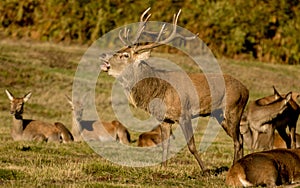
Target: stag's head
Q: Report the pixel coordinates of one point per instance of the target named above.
(134, 51)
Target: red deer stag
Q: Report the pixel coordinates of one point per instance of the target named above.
(268, 168)
(34, 130)
(129, 66)
(96, 130)
(263, 117)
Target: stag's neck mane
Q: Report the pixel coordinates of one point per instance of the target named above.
(142, 84)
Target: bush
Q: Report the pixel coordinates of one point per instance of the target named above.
(264, 30)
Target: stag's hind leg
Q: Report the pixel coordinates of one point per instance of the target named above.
(231, 125)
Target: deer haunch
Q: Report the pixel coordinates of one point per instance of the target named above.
(268, 168)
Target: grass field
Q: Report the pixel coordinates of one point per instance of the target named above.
(47, 70)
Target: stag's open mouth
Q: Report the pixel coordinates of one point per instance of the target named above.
(105, 66)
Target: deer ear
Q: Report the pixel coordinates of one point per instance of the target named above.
(9, 95)
(288, 97)
(27, 97)
(276, 93)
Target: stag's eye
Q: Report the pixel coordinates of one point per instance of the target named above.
(125, 54)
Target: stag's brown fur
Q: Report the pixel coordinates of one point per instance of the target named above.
(184, 97)
(96, 130)
(268, 168)
(34, 130)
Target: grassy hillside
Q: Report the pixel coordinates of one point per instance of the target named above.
(47, 70)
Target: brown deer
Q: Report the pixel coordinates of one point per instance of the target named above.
(181, 94)
(268, 168)
(263, 142)
(34, 130)
(96, 130)
(152, 138)
(264, 117)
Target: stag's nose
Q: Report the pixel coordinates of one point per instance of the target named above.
(105, 57)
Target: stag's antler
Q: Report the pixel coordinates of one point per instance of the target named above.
(141, 29)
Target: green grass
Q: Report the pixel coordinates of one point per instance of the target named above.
(48, 70)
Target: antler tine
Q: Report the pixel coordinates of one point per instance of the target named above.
(173, 34)
(142, 25)
(127, 36)
(143, 15)
(121, 38)
(160, 33)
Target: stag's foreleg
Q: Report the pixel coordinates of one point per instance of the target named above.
(187, 129)
(165, 136)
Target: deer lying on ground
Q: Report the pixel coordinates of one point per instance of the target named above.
(152, 138)
(264, 117)
(267, 168)
(96, 130)
(34, 130)
(143, 83)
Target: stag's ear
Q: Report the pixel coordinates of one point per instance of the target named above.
(9, 95)
(276, 93)
(27, 97)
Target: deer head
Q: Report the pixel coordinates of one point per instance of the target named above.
(77, 108)
(17, 104)
(134, 51)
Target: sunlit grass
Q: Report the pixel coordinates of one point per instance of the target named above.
(32, 67)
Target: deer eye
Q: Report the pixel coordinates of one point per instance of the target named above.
(125, 54)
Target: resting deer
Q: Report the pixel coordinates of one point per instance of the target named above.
(129, 66)
(268, 168)
(96, 130)
(34, 130)
(151, 138)
(264, 117)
